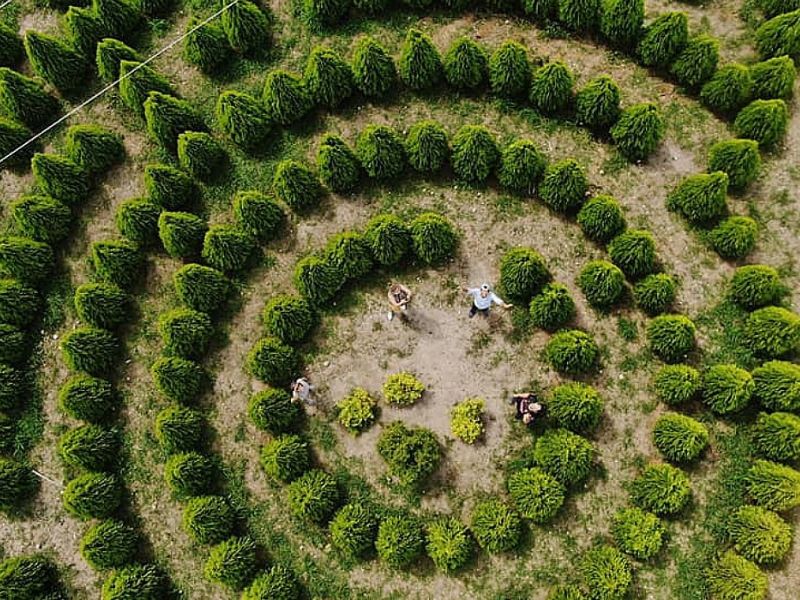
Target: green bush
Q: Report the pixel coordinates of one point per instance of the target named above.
(671, 337)
(87, 398)
(227, 247)
(137, 220)
(273, 362)
(89, 447)
(137, 81)
(679, 438)
(773, 8)
(143, 582)
(638, 533)
(764, 121)
(185, 332)
(201, 288)
(12, 136)
(496, 526)
(338, 166)
(754, 286)
(83, 31)
(189, 474)
(92, 496)
(732, 577)
(655, 293)
(552, 308)
(168, 187)
(286, 97)
(17, 485)
(535, 494)
(371, 7)
(10, 47)
(510, 70)
(728, 90)
(179, 429)
(564, 186)
(565, 592)
(664, 39)
(109, 544)
(773, 78)
(313, 496)
(601, 218)
(449, 544)
(582, 16)
(56, 62)
(434, 238)
(427, 147)
(296, 185)
(25, 259)
(759, 535)
(278, 583)
(90, 349)
(205, 47)
(181, 233)
(232, 563)
(178, 379)
(400, 541)
(272, 410)
(285, 458)
(412, 453)
(320, 14)
(328, 78)
(200, 155)
(95, 149)
(739, 159)
(247, 28)
(349, 254)
(597, 104)
(19, 303)
(168, 117)
(697, 62)
(734, 237)
(419, 65)
(602, 283)
(28, 577)
(354, 529)
(565, 455)
(776, 436)
(402, 389)
(208, 519)
(466, 421)
(110, 53)
(41, 218)
(773, 486)
(466, 66)
(780, 36)
(120, 17)
(639, 131)
(777, 385)
(317, 280)
(572, 352)
(155, 8)
(11, 386)
(258, 214)
(356, 411)
(606, 572)
(289, 318)
(523, 273)
(389, 239)
(551, 88)
(661, 489)
(243, 119)
(634, 252)
(622, 22)
(575, 406)
(475, 154)
(23, 99)
(374, 72)
(117, 262)
(522, 166)
(60, 178)
(381, 152)
(13, 344)
(772, 331)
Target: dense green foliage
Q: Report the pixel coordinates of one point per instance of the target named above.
(109, 544)
(243, 119)
(475, 154)
(780, 36)
(178, 379)
(19, 303)
(206, 46)
(87, 398)
(661, 489)
(227, 247)
(41, 218)
(381, 152)
(728, 90)
(773, 78)
(92, 496)
(419, 65)
(168, 187)
(732, 577)
(449, 544)
(754, 286)
(400, 540)
(179, 429)
(181, 233)
(167, 117)
(597, 104)
(776, 436)
(338, 166)
(137, 220)
(655, 293)
(89, 447)
(634, 252)
(522, 167)
(510, 70)
(466, 66)
(258, 214)
(23, 99)
(575, 406)
(201, 288)
(289, 318)
(565, 455)
(356, 411)
(28, 577)
(201, 155)
(602, 283)
(601, 218)
(17, 485)
(328, 78)
(208, 519)
(320, 14)
(671, 337)
(497, 527)
(90, 349)
(137, 80)
(313, 496)
(273, 362)
(523, 273)
(679, 438)
(772, 331)
(739, 159)
(25, 259)
(389, 239)
(535, 494)
(572, 352)
(402, 389)
(564, 186)
(55, 61)
(697, 62)
(93, 148)
(185, 332)
(60, 178)
(349, 254)
(606, 572)
(117, 261)
(639, 131)
(272, 410)
(232, 563)
(434, 238)
(621, 23)
(579, 15)
(374, 72)
(247, 28)
(12, 136)
(412, 453)
(277, 583)
(551, 88)
(552, 308)
(286, 457)
(427, 147)
(664, 39)
(143, 582)
(777, 385)
(773, 486)
(764, 121)
(638, 533)
(700, 198)
(189, 474)
(354, 529)
(109, 56)
(317, 280)
(11, 49)
(734, 237)
(759, 535)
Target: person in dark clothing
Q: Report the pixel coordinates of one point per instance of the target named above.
(528, 408)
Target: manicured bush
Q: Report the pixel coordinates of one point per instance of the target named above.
(314, 496)
(19, 303)
(201, 288)
(243, 118)
(535, 494)
(232, 563)
(247, 28)
(208, 519)
(601, 218)
(181, 233)
(760, 535)
(227, 247)
(412, 453)
(17, 485)
(356, 411)
(120, 17)
(496, 526)
(338, 166)
(602, 283)
(419, 65)
(349, 254)
(449, 544)
(60, 178)
(41, 218)
(143, 582)
(773, 486)
(167, 117)
(728, 90)
(679, 438)
(296, 185)
(320, 14)
(189, 474)
(185, 332)
(739, 159)
(552, 308)
(597, 104)
(732, 577)
(286, 97)
(565, 592)
(402, 389)
(206, 47)
(434, 238)
(258, 214)
(317, 280)
(772, 331)
(155, 8)
(13, 344)
(773, 78)
(92, 496)
(83, 30)
(466, 422)
(87, 398)
(28, 577)
(354, 529)
(136, 83)
(286, 457)
(664, 39)
(622, 22)
(639, 131)
(400, 541)
(606, 572)
(95, 149)
(475, 154)
(764, 121)
(273, 362)
(90, 349)
(575, 406)
(389, 239)
(773, 8)
(374, 72)
(671, 337)
(169, 187)
(582, 16)
(178, 379)
(116, 261)
(564, 186)
(754, 286)
(109, 544)
(12, 383)
(522, 167)
(381, 152)
(289, 318)
(179, 429)
(56, 62)
(572, 352)
(780, 36)
(510, 70)
(634, 252)
(272, 410)
(200, 155)
(734, 237)
(655, 293)
(697, 62)
(23, 99)
(427, 147)
(661, 489)
(277, 583)
(10, 47)
(565, 455)
(551, 88)
(466, 66)
(327, 77)
(776, 436)
(110, 54)
(523, 273)
(12, 136)
(638, 533)
(25, 259)
(137, 220)
(89, 447)
(777, 385)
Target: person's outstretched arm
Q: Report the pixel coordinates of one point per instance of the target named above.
(498, 300)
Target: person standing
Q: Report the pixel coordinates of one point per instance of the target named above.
(482, 299)
(399, 298)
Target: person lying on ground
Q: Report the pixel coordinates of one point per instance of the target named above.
(301, 391)
(528, 408)
(399, 298)
(482, 300)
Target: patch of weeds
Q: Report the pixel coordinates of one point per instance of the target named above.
(521, 326)
(321, 434)
(724, 326)
(507, 208)
(627, 329)
(480, 341)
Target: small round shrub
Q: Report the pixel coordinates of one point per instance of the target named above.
(400, 541)
(94, 148)
(28, 577)
(232, 563)
(179, 429)
(638, 533)
(732, 577)
(728, 90)
(664, 39)
(170, 188)
(92, 496)
(289, 318)
(776, 436)
(285, 458)
(564, 186)
(317, 280)
(552, 308)
(89, 447)
(208, 519)
(565, 455)
(356, 411)
(575, 406)
(328, 77)
(466, 421)
(535, 494)
(779, 36)
(634, 252)
(655, 293)
(433, 237)
(697, 62)
(109, 544)
(143, 582)
(755, 286)
(661, 489)
(523, 273)
(117, 261)
(522, 167)
(19, 303)
(412, 453)
(597, 104)
(773, 486)
(227, 247)
(734, 237)
(286, 97)
(700, 198)
(313, 496)
(449, 544)
(353, 529)
(200, 155)
(41, 218)
(178, 379)
(602, 283)
(278, 583)
(90, 349)
(247, 27)
(185, 332)
(120, 17)
(427, 147)
(551, 88)
(374, 72)
(773, 78)
(349, 254)
(759, 535)
(167, 117)
(466, 66)
(258, 214)
(381, 152)
(137, 220)
(338, 166)
(772, 331)
(601, 218)
(189, 474)
(764, 121)
(496, 526)
(201, 288)
(572, 352)
(639, 131)
(17, 485)
(419, 65)
(739, 159)
(389, 239)
(679, 438)
(60, 178)
(181, 233)
(273, 362)
(243, 118)
(777, 385)
(272, 410)
(402, 389)
(87, 398)
(475, 154)
(671, 337)
(205, 46)
(510, 70)
(25, 259)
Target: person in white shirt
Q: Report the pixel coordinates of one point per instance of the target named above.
(482, 300)
(301, 391)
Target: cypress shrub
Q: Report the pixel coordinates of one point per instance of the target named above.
(23, 99)
(772, 331)
(181, 233)
(102, 305)
(738, 159)
(676, 384)
(338, 166)
(10, 47)
(522, 166)
(243, 119)
(95, 149)
(389, 239)
(289, 318)
(13, 344)
(60, 178)
(602, 283)
(412, 453)
(12, 136)
(597, 104)
(780, 36)
(633, 251)
(18, 303)
(41, 218)
(144, 582)
(449, 545)
(168, 187)
(84, 29)
(90, 349)
(55, 61)
(572, 352)
(466, 66)
(434, 238)
(227, 247)
(777, 385)
(601, 218)
(317, 280)
(773, 486)
(427, 147)
(552, 308)
(92, 496)
(25, 259)
(286, 458)
(564, 186)
(639, 131)
(296, 185)
(177, 378)
(542, 11)
(109, 544)
(167, 117)
(109, 56)
(638, 533)
(535, 494)
(671, 337)
(11, 386)
(773, 8)
(189, 475)
(697, 62)
(760, 535)
(655, 293)
(349, 254)
(661, 489)
(475, 154)
(551, 88)
(621, 22)
(764, 121)
(754, 286)
(247, 28)
(205, 47)
(185, 332)
(286, 97)
(664, 39)
(728, 90)
(313, 496)
(700, 198)
(320, 14)
(328, 77)
(208, 519)
(200, 155)
(575, 406)
(28, 577)
(17, 485)
(582, 16)
(400, 541)
(87, 398)
(374, 72)
(679, 438)
(734, 237)
(510, 70)
(272, 410)
(273, 362)
(139, 80)
(258, 214)
(117, 261)
(232, 563)
(137, 220)
(277, 583)
(523, 273)
(419, 65)
(120, 17)
(773, 78)
(354, 529)
(564, 455)
(381, 152)
(496, 526)
(179, 429)
(201, 288)
(89, 447)
(776, 436)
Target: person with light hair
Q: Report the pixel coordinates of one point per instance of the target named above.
(482, 300)
(399, 298)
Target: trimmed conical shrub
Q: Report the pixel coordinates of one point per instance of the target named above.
(208, 519)
(564, 455)
(286, 458)
(773, 8)
(773, 78)
(622, 22)
(353, 529)
(661, 489)
(25, 259)
(697, 62)
(92, 496)
(286, 96)
(272, 410)
(510, 70)
(93, 148)
(120, 17)
(388, 238)
(575, 406)
(475, 154)
(258, 214)
(227, 247)
(179, 429)
(522, 167)
(638, 533)
(349, 254)
(60, 178)
(754, 286)
(601, 218)
(700, 198)
(734, 237)
(764, 121)
(728, 90)
(321, 14)
(679, 438)
(374, 71)
(777, 385)
(564, 186)
(169, 187)
(776, 436)
(29, 577)
(655, 293)
(400, 541)
(13, 344)
(185, 332)
(87, 398)
(167, 117)
(664, 39)
(780, 36)
(773, 486)
(759, 535)
(289, 318)
(296, 185)
(147, 582)
(109, 544)
(572, 352)
(12, 136)
(200, 155)
(639, 131)
(189, 474)
(19, 303)
(419, 65)
(633, 251)
(17, 485)
(381, 152)
(677, 384)
(328, 77)
(276, 582)
(247, 27)
(137, 220)
(317, 280)
(118, 262)
(313, 496)
(582, 16)
(201, 288)
(434, 238)
(273, 362)
(90, 349)
(338, 166)
(597, 104)
(243, 119)
(56, 62)
(551, 88)
(232, 563)
(178, 379)
(11, 49)
(552, 308)
(466, 66)
(24, 100)
(110, 53)
(772, 331)
(205, 47)
(496, 526)
(739, 159)
(138, 80)
(89, 447)
(602, 283)
(102, 305)
(523, 273)
(181, 233)
(671, 337)
(537, 495)
(427, 147)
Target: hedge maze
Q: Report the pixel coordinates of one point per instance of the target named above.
(227, 215)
